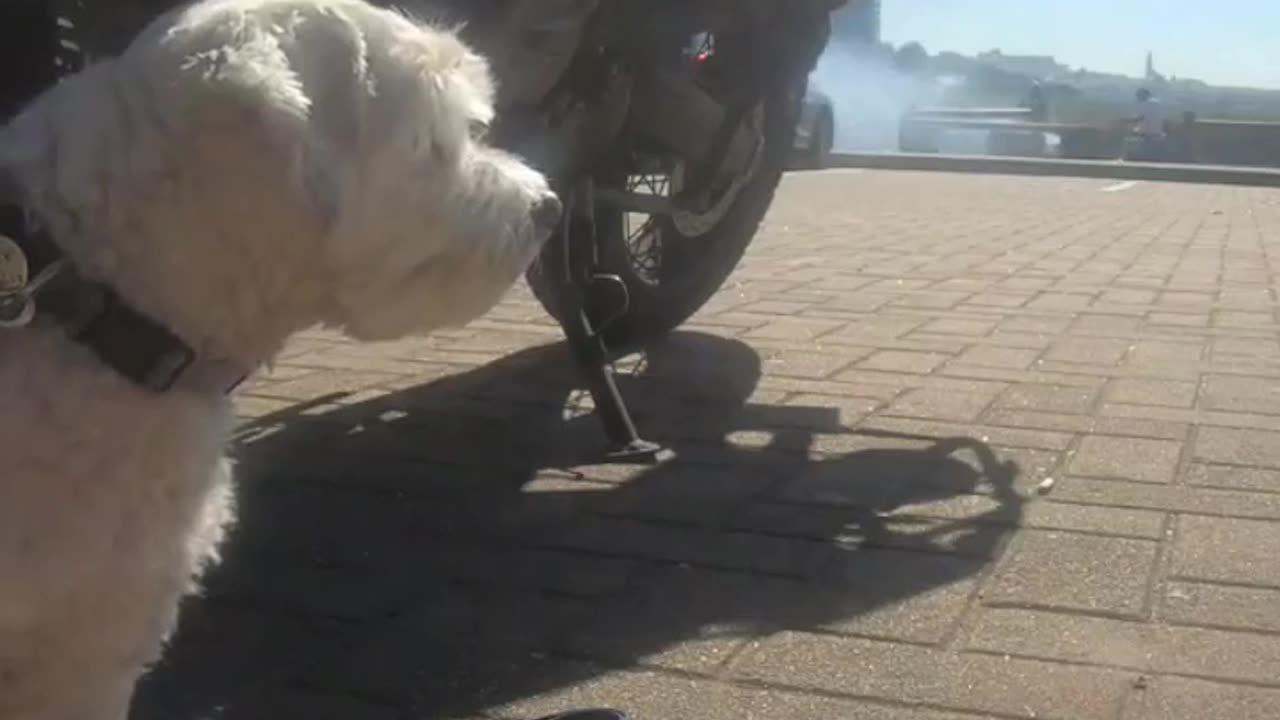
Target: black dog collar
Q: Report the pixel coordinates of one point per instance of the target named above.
(37, 281)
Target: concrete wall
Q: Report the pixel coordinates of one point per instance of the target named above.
(1228, 142)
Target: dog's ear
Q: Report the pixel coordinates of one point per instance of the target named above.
(452, 87)
(473, 81)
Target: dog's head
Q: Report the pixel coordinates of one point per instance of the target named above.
(247, 169)
(437, 224)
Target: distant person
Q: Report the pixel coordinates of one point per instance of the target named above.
(1150, 129)
(1187, 133)
(1037, 103)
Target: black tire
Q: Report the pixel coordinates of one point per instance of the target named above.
(692, 269)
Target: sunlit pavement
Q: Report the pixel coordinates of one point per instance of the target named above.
(947, 447)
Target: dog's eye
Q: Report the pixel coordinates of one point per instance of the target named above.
(479, 130)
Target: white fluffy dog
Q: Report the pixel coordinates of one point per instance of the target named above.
(246, 169)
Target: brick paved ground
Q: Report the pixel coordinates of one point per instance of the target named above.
(852, 527)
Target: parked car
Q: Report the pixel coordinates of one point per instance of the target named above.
(815, 131)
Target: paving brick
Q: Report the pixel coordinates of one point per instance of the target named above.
(1242, 394)
(794, 329)
(248, 406)
(1050, 301)
(1198, 320)
(1126, 458)
(1088, 350)
(898, 361)
(1236, 478)
(1048, 326)
(1223, 347)
(869, 472)
(1030, 341)
(1245, 608)
(1026, 282)
(912, 596)
(1204, 652)
(561, 573)
(1092, 424)
(1127, 296)
(321, 384)
(849, 410)
(360, 358)
(916, 342)
(1106, 325)
(1171, 370)
(281, 371)
(1139, 391)
(648, 541)
(851, 528)
(1012, 375)
(1124, 522)
(1175, 698)
(1000, 300)
(694, 620)
(938, 404)
(773, 307)
(989, 434)
(859, 302)
(1203, 418)
(653, 695)
(959, 326)
(998, 357)
(878, 327)
(917, 675)
(1238, 447)
(809, 364)
(932, 299)
(994, 469)
(1080, 572)
(1047, 398)
(883, 391)
(1182, 299)
(1227, 550)
(1160, 352)
(1058, 636)
(1239, 319)
(1208, 501)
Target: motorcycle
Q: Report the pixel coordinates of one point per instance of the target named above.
(665, 126)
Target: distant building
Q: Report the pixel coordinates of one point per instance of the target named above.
(858, 21)
(1151, 75)
(1040, 67)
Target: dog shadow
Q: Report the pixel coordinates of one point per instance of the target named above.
(445, 550)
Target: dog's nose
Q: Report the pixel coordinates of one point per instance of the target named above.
(546, 212)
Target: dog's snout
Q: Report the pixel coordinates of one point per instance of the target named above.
(546, 212)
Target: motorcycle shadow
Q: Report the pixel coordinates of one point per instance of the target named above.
(443, 551)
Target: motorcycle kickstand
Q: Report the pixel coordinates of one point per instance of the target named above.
(625, 443)
(588, 347)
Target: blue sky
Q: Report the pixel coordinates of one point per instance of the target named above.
(1227, 42)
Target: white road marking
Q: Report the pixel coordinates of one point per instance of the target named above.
(1118, 187)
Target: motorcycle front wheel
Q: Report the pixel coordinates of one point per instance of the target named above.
(672, 265)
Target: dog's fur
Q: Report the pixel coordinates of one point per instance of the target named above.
(246, 169)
